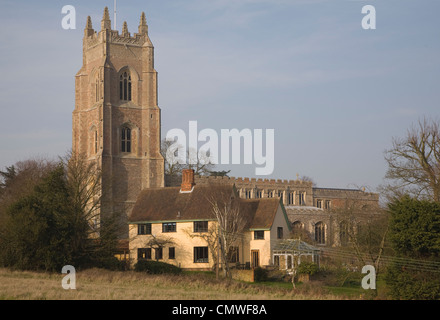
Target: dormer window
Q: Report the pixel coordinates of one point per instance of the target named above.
(125, 87)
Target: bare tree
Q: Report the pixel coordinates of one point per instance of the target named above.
(414, 162)
(211, 238)
(84, 178)
(230, 223)
(173, 169)
(199, 162)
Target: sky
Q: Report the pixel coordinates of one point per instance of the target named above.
(335, 93)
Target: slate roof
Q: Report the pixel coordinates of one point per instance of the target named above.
(169, 204)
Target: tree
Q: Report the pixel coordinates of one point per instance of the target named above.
(173, 169)
(414, 163)
(230, 224)
(42, 229)
(415, 236)
(199, 162)
(51, 215)
(84, 180)
(211, 238)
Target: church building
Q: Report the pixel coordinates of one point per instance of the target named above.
(116, 124)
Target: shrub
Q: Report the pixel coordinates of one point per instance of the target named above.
(156, 267)
(307, 268)
(260, 274)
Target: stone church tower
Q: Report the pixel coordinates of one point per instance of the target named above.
(116, 121)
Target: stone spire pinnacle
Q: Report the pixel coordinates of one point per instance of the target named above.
(89, 23)
(105, 22)
(143, 28)
(88, 31)
(125, 32)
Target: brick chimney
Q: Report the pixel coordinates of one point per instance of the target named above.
(187, 180)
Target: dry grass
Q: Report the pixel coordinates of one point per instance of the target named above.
(96, 284)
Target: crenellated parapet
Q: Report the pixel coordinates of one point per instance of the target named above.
(106, 34)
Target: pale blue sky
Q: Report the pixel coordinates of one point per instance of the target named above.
(335, 93)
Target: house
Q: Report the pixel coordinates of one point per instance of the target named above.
(177, 225)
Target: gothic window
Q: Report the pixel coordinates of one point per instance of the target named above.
(97, 98)
(125, 87)
(96, 141)
(297, 226)
(126, 139)
(343, 233)
(320, 233)
(291, 198)
(328, 204)
(319, 204)
(301, 199)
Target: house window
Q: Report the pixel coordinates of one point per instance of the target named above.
(320, 233)
(319, 204)
(144, 228)
(125, 87)
(200, 226)
(280, 233)
(158, 253)
(270, 194)
(259, 235)
(169, 227)
(171, 253)
(200, 254)
(233, 255)
(126, 139)
(144, 253)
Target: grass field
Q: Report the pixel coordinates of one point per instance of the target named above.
(97, 284)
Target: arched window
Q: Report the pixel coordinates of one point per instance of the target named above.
(125, 87)
(126, 139)
(297, 226)
(320, 233)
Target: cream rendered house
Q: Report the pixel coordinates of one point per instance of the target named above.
(181, 219)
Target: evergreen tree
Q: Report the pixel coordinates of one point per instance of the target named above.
(415, 236)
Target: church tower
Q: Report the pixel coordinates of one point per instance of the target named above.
(116, 121)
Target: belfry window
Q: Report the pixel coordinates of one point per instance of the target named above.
(126, 139)
(125, 87)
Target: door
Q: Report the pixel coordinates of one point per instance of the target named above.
(255, 258)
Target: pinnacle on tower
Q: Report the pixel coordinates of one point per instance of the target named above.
(125, 32)
(89, 23)
(88, 31)
(105, 22)
(143, 28)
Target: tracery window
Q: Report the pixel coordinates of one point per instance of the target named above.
(126, 139)
(125, 86)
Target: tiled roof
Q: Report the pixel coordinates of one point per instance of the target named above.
(169, 204)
